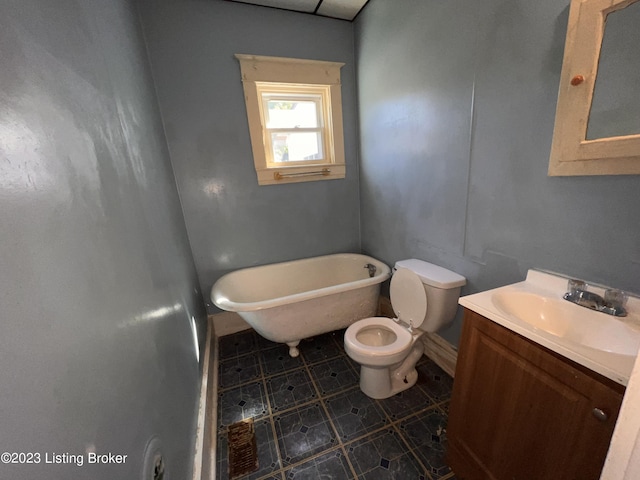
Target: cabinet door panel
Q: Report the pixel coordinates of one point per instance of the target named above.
(519, 412)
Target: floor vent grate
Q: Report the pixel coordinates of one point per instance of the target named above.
(243, 455)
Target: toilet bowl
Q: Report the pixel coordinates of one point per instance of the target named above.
(424, 298)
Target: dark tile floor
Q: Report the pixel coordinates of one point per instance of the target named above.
(312, 421)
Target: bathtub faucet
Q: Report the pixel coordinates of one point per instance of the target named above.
(372, 269)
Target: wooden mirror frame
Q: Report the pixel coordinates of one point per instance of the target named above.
(571, 152)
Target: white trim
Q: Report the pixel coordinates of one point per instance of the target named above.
(320, 95)
(214, 413)
(441, 352)
(202, 408)
(622, 458)
(288, 70)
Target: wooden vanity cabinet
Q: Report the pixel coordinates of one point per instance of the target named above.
(522, 412)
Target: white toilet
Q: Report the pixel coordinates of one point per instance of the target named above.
(425, 298)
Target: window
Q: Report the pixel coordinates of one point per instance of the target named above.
(294, 110)
(293, 118)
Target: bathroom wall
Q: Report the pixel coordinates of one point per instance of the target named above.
(233, 222)
(456, 110)
(97, 287)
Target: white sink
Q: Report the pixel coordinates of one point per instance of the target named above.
(574, 323)
(536, 310)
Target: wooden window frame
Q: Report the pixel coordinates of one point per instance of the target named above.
(571, 152)
(288, 75)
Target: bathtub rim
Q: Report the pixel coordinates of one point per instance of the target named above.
(383, 273)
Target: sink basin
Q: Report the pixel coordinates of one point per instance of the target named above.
(535, 309)
(572, 323)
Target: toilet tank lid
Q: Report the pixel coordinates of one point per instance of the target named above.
(431, 274)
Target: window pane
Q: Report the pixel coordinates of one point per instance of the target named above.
(291, 113)
(294, 146)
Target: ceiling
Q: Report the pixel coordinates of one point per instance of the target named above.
(342, 9)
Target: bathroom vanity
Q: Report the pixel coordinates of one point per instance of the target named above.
(527, 403)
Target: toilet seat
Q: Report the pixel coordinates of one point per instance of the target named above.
(408, 298)
(409, 301)
(402, 342)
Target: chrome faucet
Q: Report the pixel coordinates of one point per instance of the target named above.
(611, 304)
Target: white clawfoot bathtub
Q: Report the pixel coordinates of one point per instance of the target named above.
(286, 302)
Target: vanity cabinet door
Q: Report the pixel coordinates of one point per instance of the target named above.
(521, 412)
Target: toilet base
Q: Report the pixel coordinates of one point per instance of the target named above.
(385, 382)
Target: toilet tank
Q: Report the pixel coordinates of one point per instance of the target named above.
(442, 288)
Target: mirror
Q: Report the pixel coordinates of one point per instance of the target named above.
(615, 108)
(597, 127)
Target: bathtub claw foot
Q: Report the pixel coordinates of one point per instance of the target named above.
(293, 348)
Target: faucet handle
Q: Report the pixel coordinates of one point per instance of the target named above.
(573, 286)
(615, 298)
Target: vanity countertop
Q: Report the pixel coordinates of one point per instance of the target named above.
(536, 310)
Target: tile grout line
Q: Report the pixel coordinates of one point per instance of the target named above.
(301, 462)
(437, 405)
(266, 376)
(274, 433)
(271, 417)
(321, 398)
(318, 399)
(396, 428)
(269, 376)
(394, 424)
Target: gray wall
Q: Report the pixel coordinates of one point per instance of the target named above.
(457, 104)
(97, 284)
(233, 222)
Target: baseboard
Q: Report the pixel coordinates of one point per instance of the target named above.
(226, 323)
(205, 462)
(436, 348)
(202, 443)
(441, 352)
(212, 412)
(204, 466)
